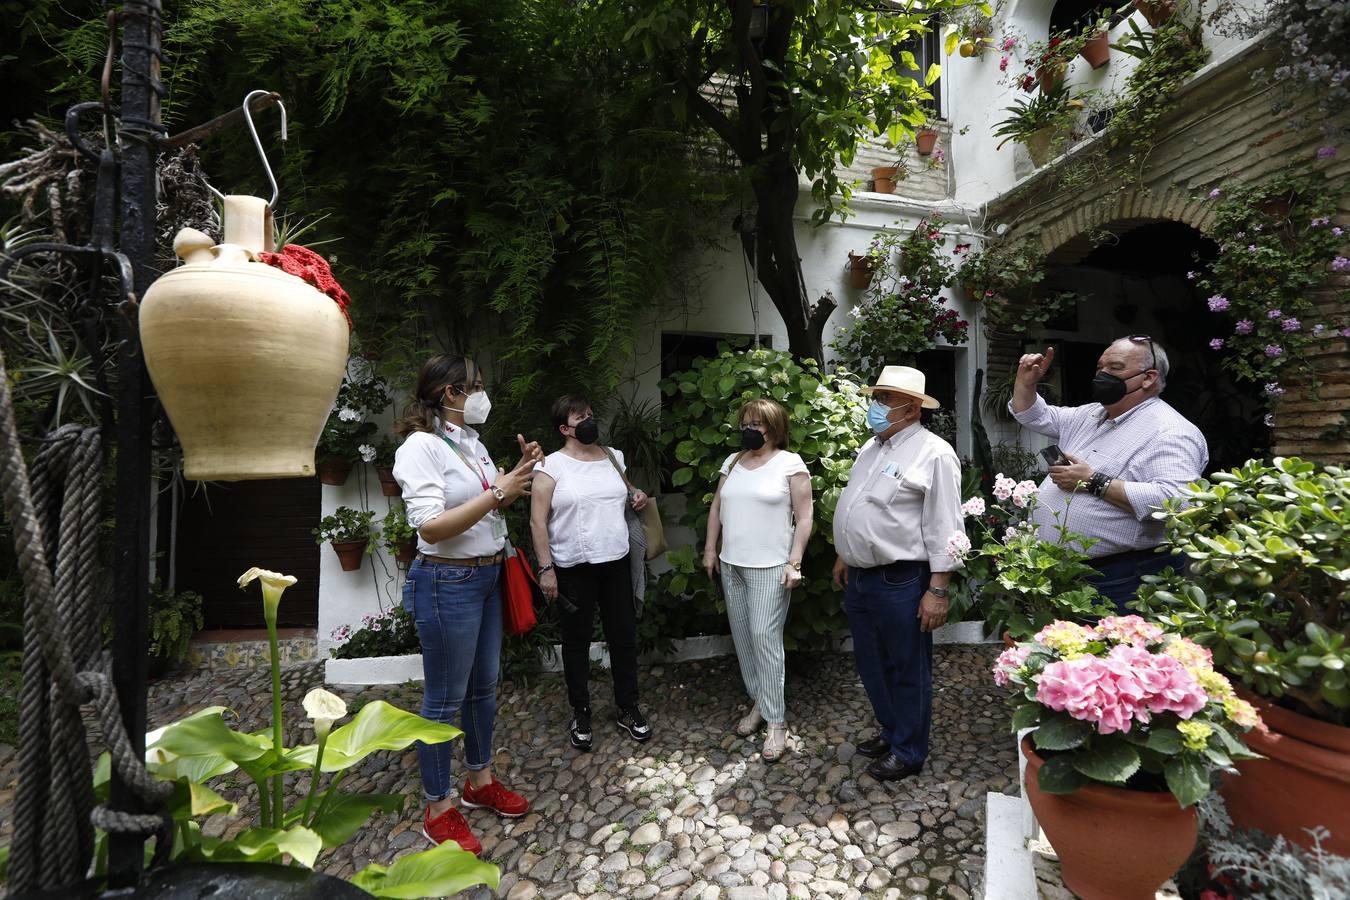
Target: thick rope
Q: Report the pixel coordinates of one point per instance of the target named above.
(56, 517)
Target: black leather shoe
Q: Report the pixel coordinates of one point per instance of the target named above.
(893, 768)
(874, 747)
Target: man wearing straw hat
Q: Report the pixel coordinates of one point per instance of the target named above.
(892, 529)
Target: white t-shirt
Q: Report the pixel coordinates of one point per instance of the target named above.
(434, 479)
(586, 521)
(756, 511)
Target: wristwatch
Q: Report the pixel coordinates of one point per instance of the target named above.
(939, 592)
(499, 494)
(794, 565)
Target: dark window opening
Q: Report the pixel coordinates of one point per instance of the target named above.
(1075, 15)
(927, 52)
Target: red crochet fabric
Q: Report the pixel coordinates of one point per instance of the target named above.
(305, 263)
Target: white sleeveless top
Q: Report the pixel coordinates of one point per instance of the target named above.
(586, 520)
(756, 511)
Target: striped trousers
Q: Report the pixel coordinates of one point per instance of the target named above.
(757, 607)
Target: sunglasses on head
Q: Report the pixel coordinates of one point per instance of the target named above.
(1145, 339)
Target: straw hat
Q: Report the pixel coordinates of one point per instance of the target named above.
(904, 380)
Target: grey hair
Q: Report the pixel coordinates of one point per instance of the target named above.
(1163, 365)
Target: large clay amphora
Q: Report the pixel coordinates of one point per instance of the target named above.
(246, 358)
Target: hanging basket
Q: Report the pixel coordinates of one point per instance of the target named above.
(406, 553)
(246, 358)
(860, 271)
(886, 177)
(389, 486)
(334, 470)
(1097, 50)
(925, 141)
(350, 553)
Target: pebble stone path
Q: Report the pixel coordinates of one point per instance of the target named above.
(695, 812)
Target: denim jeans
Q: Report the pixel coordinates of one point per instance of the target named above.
(1119, 579)
(458, 610)
(894, 656)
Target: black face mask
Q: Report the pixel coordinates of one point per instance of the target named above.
(1108, 389)
(751, 439)
(587, 431)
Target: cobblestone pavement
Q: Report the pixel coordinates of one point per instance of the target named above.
(694, 813)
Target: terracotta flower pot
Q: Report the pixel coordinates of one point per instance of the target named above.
(1097, 50)
(860, 271)
(334, 470)
(925, 141)
(246, 358)
(388, 486)
(1050, 78)
(350, 553)
(885, 178)
(1303, 782)
(1156, 12)
(1113, 844)
(407, 553)
(1008, 640)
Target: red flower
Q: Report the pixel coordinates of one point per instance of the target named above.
(1028, 82)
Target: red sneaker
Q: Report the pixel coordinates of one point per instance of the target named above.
(496, 798)
(450, 826)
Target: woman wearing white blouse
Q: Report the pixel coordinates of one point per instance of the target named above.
(577, 518)
(762, 490)
(454, 496)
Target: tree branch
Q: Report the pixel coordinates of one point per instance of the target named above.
(751, 106)
(717, 120)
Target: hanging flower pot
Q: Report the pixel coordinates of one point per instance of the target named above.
(925, 141)
(886, 178)
(350, 553)
(388, 485)
(334, 470)
(1156, 12)
(1113, 843)
(1051, 77)
(406, 553)
(1041, 144)
(1097, 50)
(860, 270)
(247, 359)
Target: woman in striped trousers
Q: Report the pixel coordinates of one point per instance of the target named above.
(761, 517)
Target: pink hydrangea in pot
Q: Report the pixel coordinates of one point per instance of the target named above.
(1130, 723)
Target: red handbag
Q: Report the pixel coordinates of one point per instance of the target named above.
(520, 591)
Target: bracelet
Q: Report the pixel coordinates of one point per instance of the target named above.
(1098, 483)
(543, 569)
(795, 566)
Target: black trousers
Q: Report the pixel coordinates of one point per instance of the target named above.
(608, 586)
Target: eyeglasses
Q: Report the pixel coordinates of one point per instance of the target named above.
(1145, 339)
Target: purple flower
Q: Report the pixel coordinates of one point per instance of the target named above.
(1009, 43)
(1340, 264)
(1273, 389)
(1244, 326)
(1290, 324)
(1273, 314)
(1216, 344)
(1191, 275)
(1251, 248)
(1274, 350)
(1325, 220)
(1269, 420)
(1338, 231)
(1326, 152)
(1218, 303)
(1345, 332)
(1319, 328)
(1214, 194)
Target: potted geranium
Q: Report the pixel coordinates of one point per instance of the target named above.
(1130, 723)
(384, 467)
(347, 429)
(1268, 591)
(349, 531)
(398, 537)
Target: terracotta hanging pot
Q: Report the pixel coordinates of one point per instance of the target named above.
(1156, 12)
(885, 178)
(1112, 843)
(1303, 782)
(246, 358)
(1097, 50)
(350, 553)
(925, 141)
(406, 553)
(860, 271)
(388, 485)
(334, 470)
(1050, 78)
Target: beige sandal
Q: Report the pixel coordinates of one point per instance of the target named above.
(775, 743)
(751, 723)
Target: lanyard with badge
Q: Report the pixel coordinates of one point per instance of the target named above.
(495, 518)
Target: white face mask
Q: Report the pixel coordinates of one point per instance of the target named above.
(476, 408)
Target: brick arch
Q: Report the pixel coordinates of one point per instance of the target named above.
(1067, 240)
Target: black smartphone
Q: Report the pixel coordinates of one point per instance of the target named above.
(1054, 456)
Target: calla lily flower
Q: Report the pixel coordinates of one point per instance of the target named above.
(273, 585)
(325, 708)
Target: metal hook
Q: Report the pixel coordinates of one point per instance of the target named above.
(262, 154)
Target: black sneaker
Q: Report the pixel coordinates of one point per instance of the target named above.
(632, 721)
(580, 730)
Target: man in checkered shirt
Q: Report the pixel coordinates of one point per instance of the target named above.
(1127, 452)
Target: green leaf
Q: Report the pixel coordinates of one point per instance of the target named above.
(1165, 740)
(682, 476)
(215, 748)
(347, 813)
(949, 44)
(1026, 716)
(933, 74)
(378, 726)
(4, 863)
(1111, 761)
(1058, 776)
(1061, 732)
(1187, 779)
(192, 799)
(265, 845)
(438, 872)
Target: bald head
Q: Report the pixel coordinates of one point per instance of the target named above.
(1140, 356)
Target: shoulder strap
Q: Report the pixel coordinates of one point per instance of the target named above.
(609, 454)
(470, 464)
(735, 459)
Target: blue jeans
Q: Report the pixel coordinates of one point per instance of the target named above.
(458, 610)
(894, 656)
(1119, 579)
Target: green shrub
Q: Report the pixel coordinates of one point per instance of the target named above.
(174, 619)
(827, 427)
(1268, 588)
